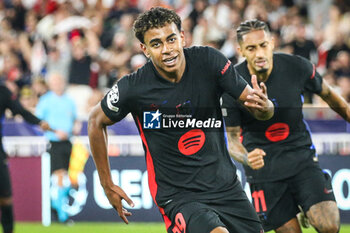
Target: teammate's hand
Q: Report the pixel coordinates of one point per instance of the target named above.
(115, 196)
(44, 125)
(258, 97)
(257, 101)
(256, 158)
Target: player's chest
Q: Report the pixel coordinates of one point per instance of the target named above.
(191, 92)
(284, 92)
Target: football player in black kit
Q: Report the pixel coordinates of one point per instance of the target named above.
(175, 101)
(281, 166)
(7, 101)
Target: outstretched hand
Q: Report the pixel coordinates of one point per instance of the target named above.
(256, 158)
(257, 98)
(44, 125)
(115, 196)
(257, 101)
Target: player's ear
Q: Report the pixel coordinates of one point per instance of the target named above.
(182, 36)
(144, 50)
(272, 41)
(239, 50)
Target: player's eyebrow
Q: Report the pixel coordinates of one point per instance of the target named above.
(157, 39)
(250, 46)
(154, 40)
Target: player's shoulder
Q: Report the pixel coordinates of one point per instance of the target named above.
(241, 66)
(289, 59)
(201, 51)
(139, 76)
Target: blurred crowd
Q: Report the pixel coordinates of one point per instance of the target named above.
(90, 43)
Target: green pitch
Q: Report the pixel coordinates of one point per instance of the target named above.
(111, 228)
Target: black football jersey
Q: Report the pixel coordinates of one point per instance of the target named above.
(8, 101)
(180, 124)
(285, 137)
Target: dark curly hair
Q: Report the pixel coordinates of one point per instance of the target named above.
(250, 25)
(154, 18)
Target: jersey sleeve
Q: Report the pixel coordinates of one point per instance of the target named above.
(115, 103)
(16, 108)
(228, 78)
(312, 80)
(230, 110)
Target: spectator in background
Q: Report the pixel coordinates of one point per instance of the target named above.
(341, 65)
(59, 110)
(344, 85)
(8, 101)
(58, 56)
(302, 46)
(218, 18)
(339, 45)
(137, 61)
(39, 86)
(84, 47)
(197, 11)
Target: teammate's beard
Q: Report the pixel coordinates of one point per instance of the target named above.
(262, 71)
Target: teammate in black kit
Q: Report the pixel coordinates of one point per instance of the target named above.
(174, 100)
(281, 165)
(8, 102)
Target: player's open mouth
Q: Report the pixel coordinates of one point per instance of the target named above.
(261, 63)
(170, 61)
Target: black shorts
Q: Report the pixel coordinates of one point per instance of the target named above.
(5, 184)
(236, 216)
(60, 154)
(277, 202)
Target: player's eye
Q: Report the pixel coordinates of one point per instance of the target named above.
(172, 40)
(155, 45)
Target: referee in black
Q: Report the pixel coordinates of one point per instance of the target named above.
(8, 101)
(280, 161)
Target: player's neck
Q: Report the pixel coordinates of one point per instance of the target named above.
(175, 76)
(262, 77)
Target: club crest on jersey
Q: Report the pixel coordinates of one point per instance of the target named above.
(112, 98)
(152, 120)
(113, 94)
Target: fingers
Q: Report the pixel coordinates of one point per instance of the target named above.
(263, 88)
(255, 82)
(44, 125)
(128, 200)
(123, 213)
(256, 100)
(255, 159)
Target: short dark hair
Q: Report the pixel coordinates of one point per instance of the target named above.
(250, 25)
(156, 17)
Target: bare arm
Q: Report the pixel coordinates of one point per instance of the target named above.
(256, 101)
(97, 130)
(253, 159)
(335, 101)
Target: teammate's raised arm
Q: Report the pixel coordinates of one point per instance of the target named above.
(97, 130)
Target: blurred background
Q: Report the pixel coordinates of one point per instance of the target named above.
(91, 44)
